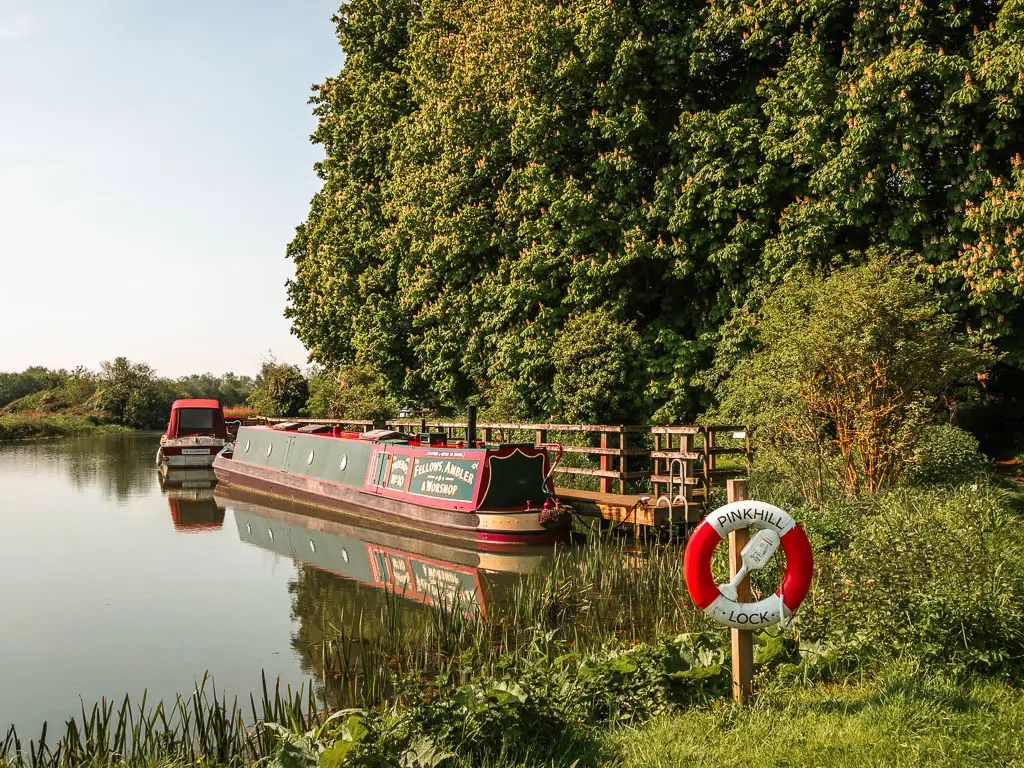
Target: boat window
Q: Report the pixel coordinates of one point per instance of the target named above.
(195, 418)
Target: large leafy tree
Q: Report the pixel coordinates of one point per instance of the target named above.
(496, 170)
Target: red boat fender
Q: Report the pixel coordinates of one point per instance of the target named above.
(773, 527)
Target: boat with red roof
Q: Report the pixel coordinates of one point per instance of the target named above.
(496, 494)
(195, 434)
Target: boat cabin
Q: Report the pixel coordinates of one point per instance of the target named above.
(192, 418)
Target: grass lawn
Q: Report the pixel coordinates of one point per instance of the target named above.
(900, 720)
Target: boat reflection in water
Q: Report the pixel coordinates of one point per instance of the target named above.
(410, 563)
(189, 492)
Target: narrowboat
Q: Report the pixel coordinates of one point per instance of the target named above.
(195, 434)
(422, 568)
(494, 494)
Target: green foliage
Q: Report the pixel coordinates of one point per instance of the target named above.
(902, 718)
(847, 371)
(945, 454)
(14, 386)
(51, 403)
(933, 575)
(133, 395)
(495, 168)
(228, 389)
(351, 392)
(279, 390)
(28, 426)
(599, 370)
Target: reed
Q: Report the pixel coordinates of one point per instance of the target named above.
(198, 729)
(605, 591)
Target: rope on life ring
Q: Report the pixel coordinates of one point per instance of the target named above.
(773, 528)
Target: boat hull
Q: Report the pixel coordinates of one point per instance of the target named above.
(497, 529)
(198, 451)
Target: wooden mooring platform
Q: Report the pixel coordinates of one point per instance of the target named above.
(640, 477)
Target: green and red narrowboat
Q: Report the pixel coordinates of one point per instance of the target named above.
(495, 494)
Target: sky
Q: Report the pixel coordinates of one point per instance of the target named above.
(154, 163)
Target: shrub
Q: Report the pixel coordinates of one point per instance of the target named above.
(132, 394)
(848, 370)
(279, 390)
(930, 573)
(351, 392)
(945, 454)
(598, 370)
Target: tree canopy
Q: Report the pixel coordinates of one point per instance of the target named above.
(498, 171)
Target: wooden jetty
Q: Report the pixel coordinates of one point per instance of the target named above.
(646, 477)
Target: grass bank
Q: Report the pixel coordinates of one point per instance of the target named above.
(26, 426)
(902, 718)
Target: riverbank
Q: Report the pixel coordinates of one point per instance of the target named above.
(908, 651)
(904, 716)
(29, 426)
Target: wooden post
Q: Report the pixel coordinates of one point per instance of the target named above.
(623, 467)
(542, 436)
(606, 482)
(742, 639)
(656, 465)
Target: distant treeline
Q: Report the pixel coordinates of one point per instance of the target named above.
(522, 196)
(120, 392)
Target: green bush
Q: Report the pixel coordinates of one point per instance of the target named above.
(599, 370)
(945, 455)
(279, 390)
(849, 368)
(934, 574)
(351, 392)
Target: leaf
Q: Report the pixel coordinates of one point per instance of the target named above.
(423, 753)
(334, 755)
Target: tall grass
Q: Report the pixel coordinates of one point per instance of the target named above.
(196, 729)
(608, 590)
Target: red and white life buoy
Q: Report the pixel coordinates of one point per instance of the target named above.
(773, 527)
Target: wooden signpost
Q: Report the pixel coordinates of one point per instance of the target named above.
(742, 639)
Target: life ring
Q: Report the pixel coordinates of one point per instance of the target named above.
(774, 527)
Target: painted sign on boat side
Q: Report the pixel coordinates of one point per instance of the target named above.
(444, 478)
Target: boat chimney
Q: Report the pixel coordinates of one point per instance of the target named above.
(471, 426)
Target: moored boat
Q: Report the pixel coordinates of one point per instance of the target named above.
(195, 434)
(495, 494)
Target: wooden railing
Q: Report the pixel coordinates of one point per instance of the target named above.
(620, 448)
(697, 450)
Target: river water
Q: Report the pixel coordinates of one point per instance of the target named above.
(117, 579)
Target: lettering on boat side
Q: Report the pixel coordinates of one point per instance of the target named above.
(446, 454)
(399, 471)
(451, 479)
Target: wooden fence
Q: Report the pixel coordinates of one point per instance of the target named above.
(687, 458)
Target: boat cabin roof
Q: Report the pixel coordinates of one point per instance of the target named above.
(195, 403)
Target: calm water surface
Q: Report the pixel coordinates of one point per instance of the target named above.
(115, 579)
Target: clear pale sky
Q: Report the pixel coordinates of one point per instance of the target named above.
(154, 162)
